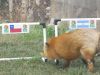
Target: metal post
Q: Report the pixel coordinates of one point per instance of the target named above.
(44, 39)
(56, 30)
(56, 35)
(44, 34)
(56, 26)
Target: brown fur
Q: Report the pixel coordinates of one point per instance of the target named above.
(98, 47)
(72, 45)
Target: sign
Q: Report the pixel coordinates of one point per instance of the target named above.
(82, 23)
(13, 28)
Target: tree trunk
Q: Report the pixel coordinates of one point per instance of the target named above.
(24, 10)
(10, 9)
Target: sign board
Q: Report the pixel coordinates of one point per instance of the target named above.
(82, 23)
(14, 28)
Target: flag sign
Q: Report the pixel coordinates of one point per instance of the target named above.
(11, 28)
(15, 28)
(78, 24)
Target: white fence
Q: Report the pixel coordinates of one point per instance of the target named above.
(28, 24)
(79, 23)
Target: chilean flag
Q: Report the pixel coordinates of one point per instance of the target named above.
(15, 28)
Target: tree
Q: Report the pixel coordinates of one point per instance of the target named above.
(3, 9)
(10, 10)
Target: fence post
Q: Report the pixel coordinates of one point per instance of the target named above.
(56, 34)
(44, 39)
(44, 34)
(56, 26)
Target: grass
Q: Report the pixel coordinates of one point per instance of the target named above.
(37, 67)
(22, 45)
(18, 45)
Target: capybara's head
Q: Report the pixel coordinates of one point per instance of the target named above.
(49, 51)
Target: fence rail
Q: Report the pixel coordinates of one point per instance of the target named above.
(33, 23)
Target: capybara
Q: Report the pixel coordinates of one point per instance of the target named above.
(98, 47)
(72, 45)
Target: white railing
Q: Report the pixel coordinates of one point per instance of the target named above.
(33, 23)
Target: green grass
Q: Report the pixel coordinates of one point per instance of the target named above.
(22, 45)
(37, 67)
(17, 45)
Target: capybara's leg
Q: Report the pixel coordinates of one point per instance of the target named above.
(56, 61)
(84, 61)
(88, 57)
(90, 65)
(66, 64)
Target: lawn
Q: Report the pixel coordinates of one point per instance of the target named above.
(30, 45)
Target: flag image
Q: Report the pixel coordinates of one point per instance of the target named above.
(83, 24)
(15, 28)
(5, 29)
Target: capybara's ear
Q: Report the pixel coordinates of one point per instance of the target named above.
(47, 44)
